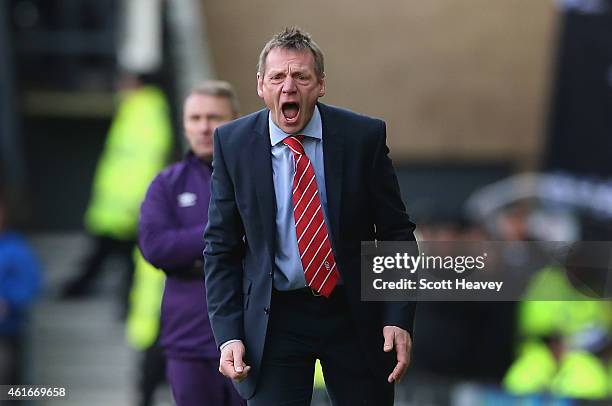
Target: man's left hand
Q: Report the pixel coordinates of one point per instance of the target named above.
(399, 339)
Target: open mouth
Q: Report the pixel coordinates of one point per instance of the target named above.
(291, 111)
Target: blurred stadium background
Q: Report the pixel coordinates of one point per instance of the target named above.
(473, 92)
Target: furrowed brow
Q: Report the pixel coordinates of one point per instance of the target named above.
(274, 72)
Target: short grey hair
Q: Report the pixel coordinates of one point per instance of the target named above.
(296, 39)
(218, 88)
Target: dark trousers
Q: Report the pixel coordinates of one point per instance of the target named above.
(302, 328)
(199, 383)
(11, 360)
(152, 373)
(102, 249)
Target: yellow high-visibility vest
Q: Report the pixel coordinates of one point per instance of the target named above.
(532, 371)
(539, 318)
(137, 148)
(142, 324)
(578, 374)
(581, 375)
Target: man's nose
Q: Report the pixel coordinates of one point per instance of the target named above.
(289, 85)
(206, 126)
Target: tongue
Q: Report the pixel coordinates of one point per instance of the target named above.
(290, 111)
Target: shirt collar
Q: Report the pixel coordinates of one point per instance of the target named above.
(191, 157)
(313, 129)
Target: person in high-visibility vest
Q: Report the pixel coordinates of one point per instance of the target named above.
(142, 327)
(573, 373)
(546, 362)
(539, 317)
(137, 147)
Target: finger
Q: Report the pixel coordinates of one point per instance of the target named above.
(394, 373)
(401, 372)
(245, 370)
(239, 377)
(238, 364)
(401, 349)
(227, 370)
(242, 376)
(226, 366)
(403, 359)
(389, 335)
(398, 372)
(403, 345)
(223, 362)
(400, 339)
(408, 357)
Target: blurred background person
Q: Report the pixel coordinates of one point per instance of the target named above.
(477, 342)
(142, 328)
(562, 334)
(138, 145)
(173, 216)
(20, 285)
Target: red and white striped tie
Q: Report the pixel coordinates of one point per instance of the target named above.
(313, 239)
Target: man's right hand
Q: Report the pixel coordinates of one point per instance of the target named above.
(231, 364)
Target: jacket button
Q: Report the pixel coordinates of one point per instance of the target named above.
(267, 310)
(271, 274)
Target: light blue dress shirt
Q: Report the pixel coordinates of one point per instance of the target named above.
(289, 273)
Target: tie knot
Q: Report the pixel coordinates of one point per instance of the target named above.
(294, 142)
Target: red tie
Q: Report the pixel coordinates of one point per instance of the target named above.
(313, 240)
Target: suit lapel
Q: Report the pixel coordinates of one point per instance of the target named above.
(260, 154)
(333, 150)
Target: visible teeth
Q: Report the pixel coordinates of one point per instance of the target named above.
(290, 111)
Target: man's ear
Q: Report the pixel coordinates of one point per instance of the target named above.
(322, 84)
(259, 85)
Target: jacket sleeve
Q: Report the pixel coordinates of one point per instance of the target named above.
(224, 253)
(392, 222)
(161, 242)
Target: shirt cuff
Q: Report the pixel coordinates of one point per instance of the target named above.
(225, 344)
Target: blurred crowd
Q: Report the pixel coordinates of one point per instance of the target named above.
(533, 346)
